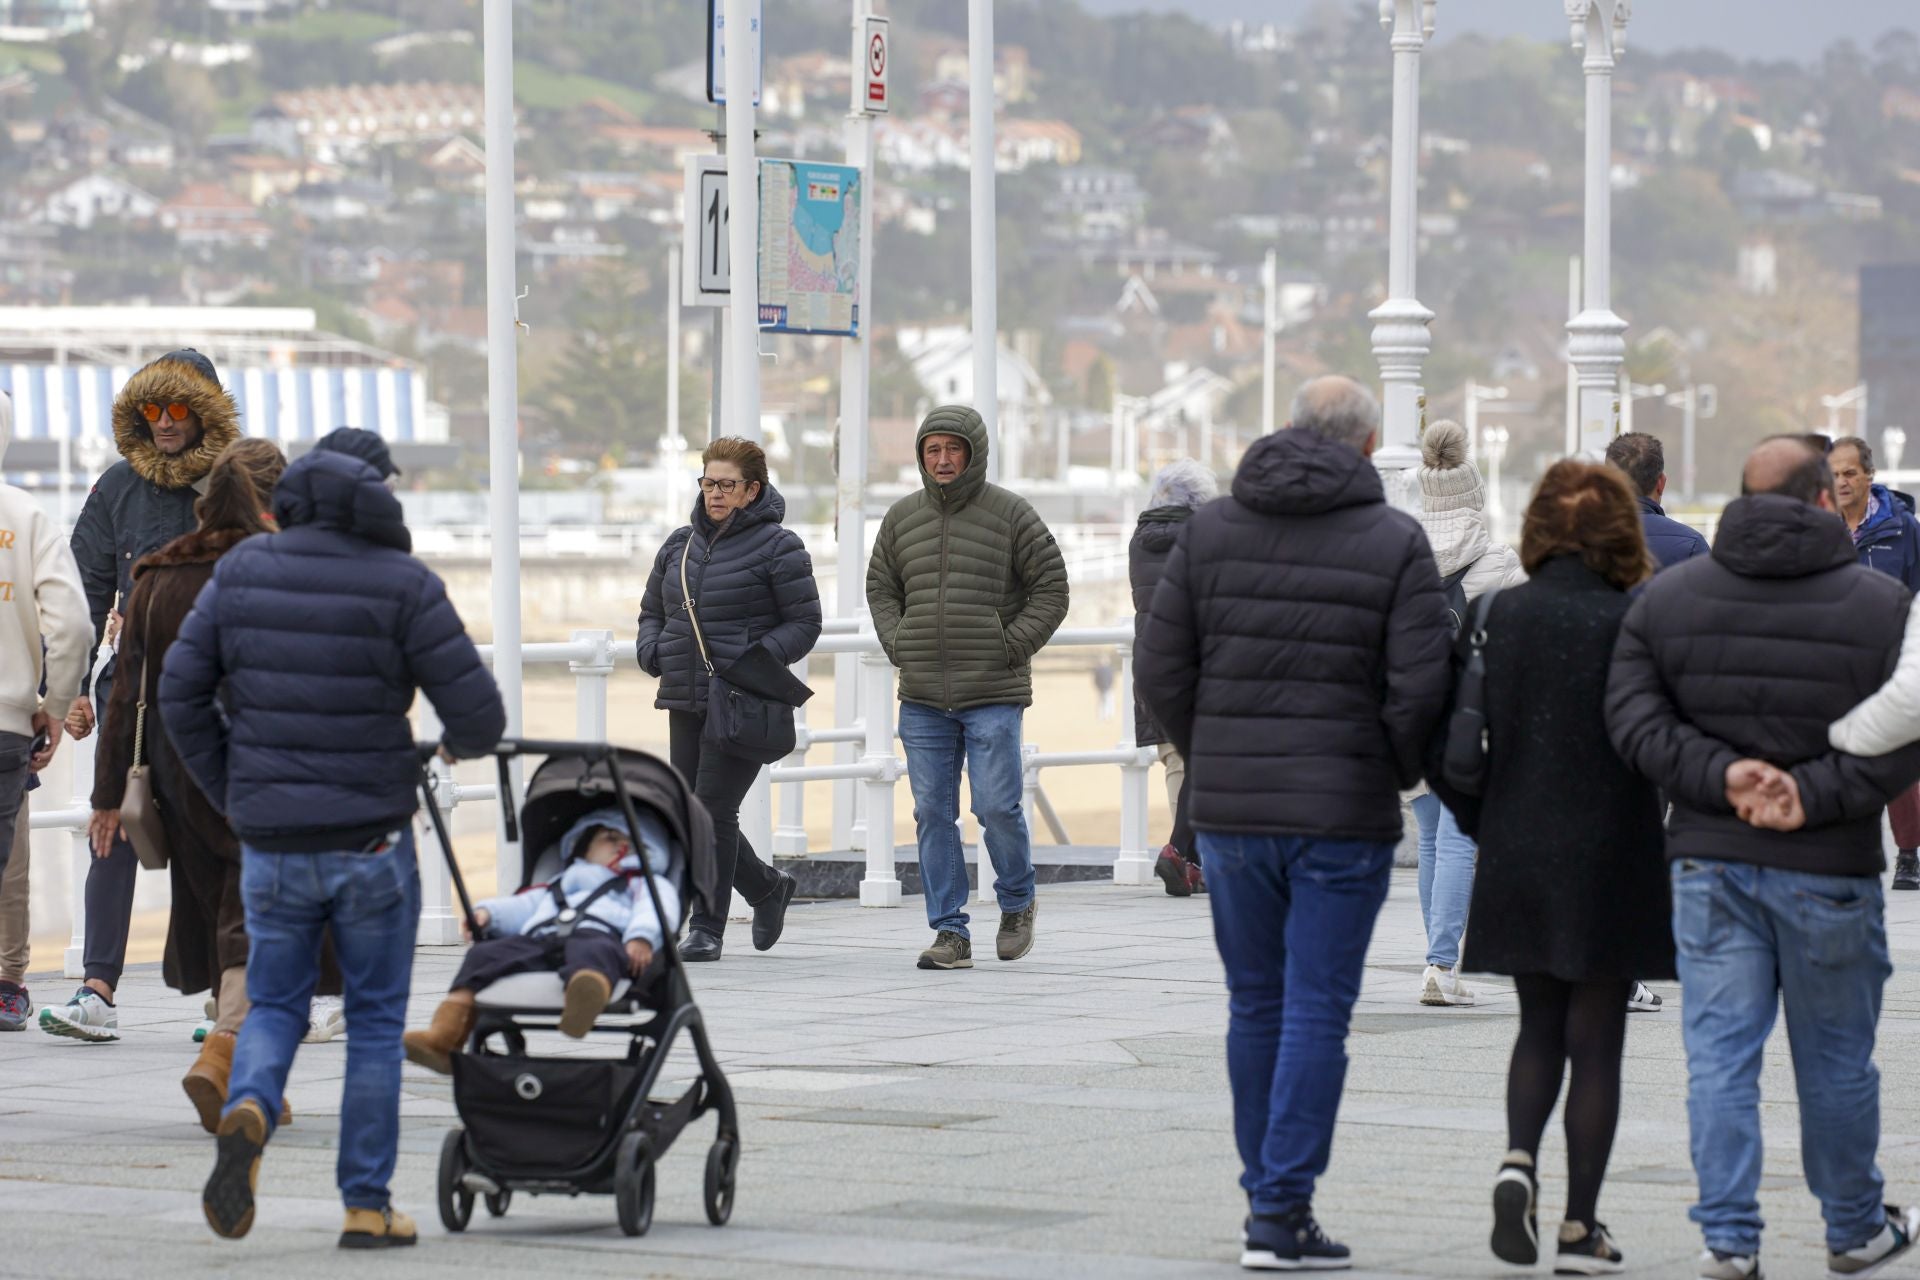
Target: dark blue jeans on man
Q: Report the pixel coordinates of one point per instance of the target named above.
(1292, 917)
(110, 880)
(1749, 937)
(371, 901)
(987, 741)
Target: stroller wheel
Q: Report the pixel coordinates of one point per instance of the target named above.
(456, 1202)
(723, 1159)
(633, 1185)
(497, 1202)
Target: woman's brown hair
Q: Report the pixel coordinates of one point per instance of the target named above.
(240, 487)
(744, 454)
(1586, 509)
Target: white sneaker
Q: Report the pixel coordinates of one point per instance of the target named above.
(1443, 987)
(85, 1017)
(1729, 1266)
(1643, 1000)
(326, 1019)
(1894, 1239)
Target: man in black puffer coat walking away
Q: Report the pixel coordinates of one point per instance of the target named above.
(1298, 658)
(1735, 658)
(286, 695)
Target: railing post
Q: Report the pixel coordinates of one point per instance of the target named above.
(439, 925)
(790, 838)
(881, 888)
(75, 959)
(1134, 864)
(848, 830)
(590, 686)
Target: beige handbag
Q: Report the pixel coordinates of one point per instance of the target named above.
(139, 809)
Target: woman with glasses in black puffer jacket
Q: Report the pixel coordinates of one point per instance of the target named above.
(752, 582)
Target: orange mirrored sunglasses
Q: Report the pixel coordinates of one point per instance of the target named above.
(177, 411)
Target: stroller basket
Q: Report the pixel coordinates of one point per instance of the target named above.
(540, 1116)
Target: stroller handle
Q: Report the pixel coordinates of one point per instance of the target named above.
(507, 748)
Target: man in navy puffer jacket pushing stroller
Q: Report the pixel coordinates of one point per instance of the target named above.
(595, 924)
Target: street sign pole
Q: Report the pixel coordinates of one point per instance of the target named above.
(986, 320)
(743, 180)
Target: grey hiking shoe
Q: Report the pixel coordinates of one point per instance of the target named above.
(1016, 932)
(1894, 1239)
(949, 951)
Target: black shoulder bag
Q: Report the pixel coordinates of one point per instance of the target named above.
(749, 705)
(1465, 764)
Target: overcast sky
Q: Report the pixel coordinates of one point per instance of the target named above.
(1745, 28)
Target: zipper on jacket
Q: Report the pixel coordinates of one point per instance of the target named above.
(940, 613)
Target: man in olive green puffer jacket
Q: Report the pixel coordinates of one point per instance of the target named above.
(965, 586)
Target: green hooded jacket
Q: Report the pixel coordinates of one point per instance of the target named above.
(966, 583)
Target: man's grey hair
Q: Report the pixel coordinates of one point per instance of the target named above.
(1337, 408)
(1185, 483)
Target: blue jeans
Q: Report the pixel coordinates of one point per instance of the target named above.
(1446, 879)
(1291, 983)
(987, 739)
(1747, 937)
(371, 901)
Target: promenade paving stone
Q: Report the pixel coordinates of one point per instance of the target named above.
(1065, 1116)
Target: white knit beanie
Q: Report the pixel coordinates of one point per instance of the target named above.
(1448, 481)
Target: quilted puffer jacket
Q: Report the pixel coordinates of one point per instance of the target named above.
(1297, 651)
(966, 584)
(752, 582)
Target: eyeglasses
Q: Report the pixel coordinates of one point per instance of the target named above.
(177, 411)
(718, 486)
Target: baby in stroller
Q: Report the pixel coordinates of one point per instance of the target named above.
(594, 924)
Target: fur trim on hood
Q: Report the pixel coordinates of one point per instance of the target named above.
(177, 376)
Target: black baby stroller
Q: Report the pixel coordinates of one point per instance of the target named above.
(567, 1125)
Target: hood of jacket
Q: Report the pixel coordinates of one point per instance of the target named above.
(1459, 536)
(1768, 535)
(1889, 517)
(955, 420)
(188, 378)
(1158, 528)
(340, 492)
(768, 508)
(202, 546)
(1302, 473)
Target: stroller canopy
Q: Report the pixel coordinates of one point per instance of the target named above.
(566, 788)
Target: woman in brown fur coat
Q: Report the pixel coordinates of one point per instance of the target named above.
(206, 935)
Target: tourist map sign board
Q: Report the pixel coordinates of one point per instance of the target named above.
(810, 247)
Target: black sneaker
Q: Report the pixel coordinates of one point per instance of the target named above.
(1906, 870)
(1291, 1242)
(1590, 1252)
(1516, 1221)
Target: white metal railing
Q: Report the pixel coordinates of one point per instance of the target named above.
(866, 771)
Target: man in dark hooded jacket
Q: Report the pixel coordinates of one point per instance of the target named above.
(315, 642)
(170, 421)
(1732, 659)
(1297, 657)
(966, 585)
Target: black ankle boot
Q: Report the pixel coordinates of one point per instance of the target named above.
(700, 945)
(770, 913)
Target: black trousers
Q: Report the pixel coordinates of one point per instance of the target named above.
(721, 782)
(593, 950)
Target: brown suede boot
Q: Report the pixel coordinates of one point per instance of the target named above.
(378, 1229)
(587, 996)
(445, 1036)
(206, 1080)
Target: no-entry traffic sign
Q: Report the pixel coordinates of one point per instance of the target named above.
(871, 88)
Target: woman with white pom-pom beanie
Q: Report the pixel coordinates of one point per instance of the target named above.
(1453, 512)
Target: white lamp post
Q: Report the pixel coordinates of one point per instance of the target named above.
(1401, 339)
(1597, 338)
(1893, 443)
(1494, 445)
(1477, 394)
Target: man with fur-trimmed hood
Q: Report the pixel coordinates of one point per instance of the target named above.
(170, 421)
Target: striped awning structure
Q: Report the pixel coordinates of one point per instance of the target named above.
(284, 403)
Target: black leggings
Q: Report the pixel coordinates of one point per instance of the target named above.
(721, 782)
(1583, 1023)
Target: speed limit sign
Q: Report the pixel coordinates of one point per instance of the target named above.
(877, 46)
